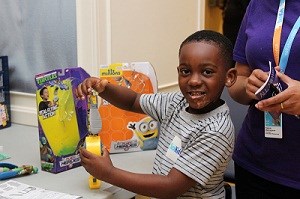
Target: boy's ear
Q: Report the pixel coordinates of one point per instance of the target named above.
(231, 76)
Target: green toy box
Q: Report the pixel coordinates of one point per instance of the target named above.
(61, 118)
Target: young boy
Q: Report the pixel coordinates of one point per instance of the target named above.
(196, 133)
(44, 93)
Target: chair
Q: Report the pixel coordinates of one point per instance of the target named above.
(229, 173)
(237, 112)
(228, 191)
(229, 181)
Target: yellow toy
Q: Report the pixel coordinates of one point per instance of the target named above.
(93, 141)
(93, 145)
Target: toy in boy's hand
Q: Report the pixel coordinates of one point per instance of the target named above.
(8, 170)
(95, 123)
(92, 140)
(94, 119)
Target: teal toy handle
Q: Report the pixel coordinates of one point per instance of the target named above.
(11, 170)
(8, 174)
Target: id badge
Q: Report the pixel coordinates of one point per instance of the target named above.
(273, 125)
(174, 150)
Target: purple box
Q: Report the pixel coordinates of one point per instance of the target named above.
(62, 118)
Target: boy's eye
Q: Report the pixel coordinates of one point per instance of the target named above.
(184, 71)
(208, 72)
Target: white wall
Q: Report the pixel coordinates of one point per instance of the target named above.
(125, 31)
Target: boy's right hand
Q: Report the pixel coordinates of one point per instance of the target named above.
(100, 167)
(86, 87)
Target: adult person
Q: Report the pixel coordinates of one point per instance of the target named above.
(267, 157)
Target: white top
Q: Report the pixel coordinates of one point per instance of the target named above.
(206, 142)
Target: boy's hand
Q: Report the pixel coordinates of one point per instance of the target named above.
(98, 166)
(85, 88)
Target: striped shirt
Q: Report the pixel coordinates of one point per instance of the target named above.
(206, 140)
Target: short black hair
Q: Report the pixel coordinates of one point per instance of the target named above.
(42, 90)
(210, 36)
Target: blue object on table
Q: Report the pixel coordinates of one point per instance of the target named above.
(4, 93)
(10, 170)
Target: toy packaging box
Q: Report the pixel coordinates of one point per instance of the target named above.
(124, 131)
(5, 114)
(61, 116)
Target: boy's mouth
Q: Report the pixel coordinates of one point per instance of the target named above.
(196, 94)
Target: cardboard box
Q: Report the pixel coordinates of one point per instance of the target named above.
(124, 131)
(5, 114)
(62, 118)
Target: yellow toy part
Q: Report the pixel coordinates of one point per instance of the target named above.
(59, 121)
(93, 144)
(94, 183)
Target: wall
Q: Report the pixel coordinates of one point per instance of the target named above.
(152, 30)
(148, 30)
(37, 36)
(114, 31)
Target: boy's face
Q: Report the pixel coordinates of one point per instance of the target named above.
(45, 95)
(201, 74)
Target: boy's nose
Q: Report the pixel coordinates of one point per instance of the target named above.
(195, 80)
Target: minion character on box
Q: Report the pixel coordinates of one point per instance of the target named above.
(147, 132)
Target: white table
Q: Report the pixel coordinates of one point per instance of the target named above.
(22, 144)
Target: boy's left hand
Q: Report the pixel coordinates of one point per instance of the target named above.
(98, 166)
(286, 101)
